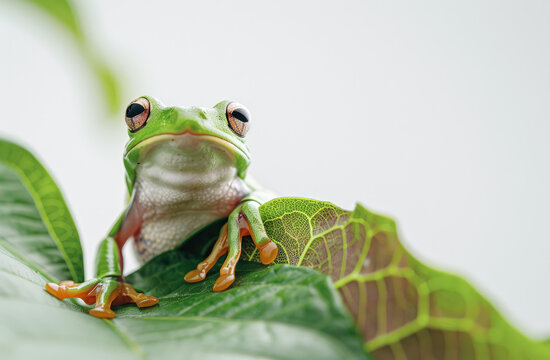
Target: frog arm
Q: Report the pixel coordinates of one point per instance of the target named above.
(257, 193)
(250, 210)
(244, 220)
(108, 260)
(127, 226)
(108, 286)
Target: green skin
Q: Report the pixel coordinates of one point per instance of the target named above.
(175, 154)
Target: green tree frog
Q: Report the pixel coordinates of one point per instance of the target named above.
(185, 168)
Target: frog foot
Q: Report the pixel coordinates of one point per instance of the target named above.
(102, 292)
(244, 220)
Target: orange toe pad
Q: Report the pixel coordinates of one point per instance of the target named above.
(223, 282)
(268, 253)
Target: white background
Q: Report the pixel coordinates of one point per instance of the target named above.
(436, 113)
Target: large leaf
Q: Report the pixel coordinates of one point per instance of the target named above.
(278, 312)
(35, 223)
(63, 12)
(295, 313)
(404, 309)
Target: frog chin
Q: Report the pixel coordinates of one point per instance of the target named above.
(189, 143)
(177, 160)
(186, 140)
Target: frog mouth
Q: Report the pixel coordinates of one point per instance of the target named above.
(189, 138)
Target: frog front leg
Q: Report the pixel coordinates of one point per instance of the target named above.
(244, 220)
(108, 287)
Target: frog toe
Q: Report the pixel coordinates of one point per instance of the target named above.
(219, 249)
(56, 290)
(268, 253)
(223, 282)
(69, 289)
(253, 226)
(141, 300)
(195, 276)
(147, 301)
(103, 311)
(244, 220)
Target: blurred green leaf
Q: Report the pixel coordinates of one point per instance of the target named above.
(108, 82)
(63, 12)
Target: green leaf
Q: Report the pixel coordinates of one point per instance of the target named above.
(278, 297)
(63, 12)
(278, 312)
(35, 223)
(403, 308)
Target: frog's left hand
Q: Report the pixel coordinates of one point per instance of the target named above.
(244, 220)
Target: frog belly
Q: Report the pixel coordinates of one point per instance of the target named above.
(166, 224)
(165, 233)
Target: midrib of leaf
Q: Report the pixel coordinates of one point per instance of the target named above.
(29, 185)
(132, 345)
(29, 177)
(311, 237)
(129, 340)
(30, 172)
(6, 246)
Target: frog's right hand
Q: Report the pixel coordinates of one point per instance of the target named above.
(103, 293)
(107, 288)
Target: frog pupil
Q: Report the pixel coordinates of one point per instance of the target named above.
(134, 110)
(240, 114)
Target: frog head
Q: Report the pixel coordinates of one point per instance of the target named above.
(150, 123)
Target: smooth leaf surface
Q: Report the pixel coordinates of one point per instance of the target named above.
(282, 296)
(279, 312)
(404, 309)
(35, 222)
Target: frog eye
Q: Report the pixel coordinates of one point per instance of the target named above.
(238, 118)
(137, 113)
